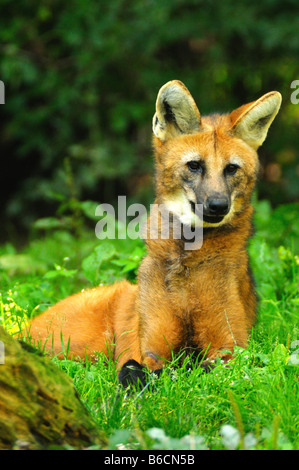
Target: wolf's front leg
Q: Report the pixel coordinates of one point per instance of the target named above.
(160, 335)
(219, 330)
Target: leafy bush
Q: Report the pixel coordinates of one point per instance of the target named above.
(81, 82)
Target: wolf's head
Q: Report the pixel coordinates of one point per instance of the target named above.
(208, 160)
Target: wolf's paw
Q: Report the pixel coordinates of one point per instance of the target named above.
(132, 373)
(207, 365)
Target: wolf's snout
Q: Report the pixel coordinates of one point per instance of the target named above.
(217, 206)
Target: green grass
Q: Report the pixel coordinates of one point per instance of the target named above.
(251, 404)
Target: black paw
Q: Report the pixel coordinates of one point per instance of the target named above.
(207, 366)
(132, 373)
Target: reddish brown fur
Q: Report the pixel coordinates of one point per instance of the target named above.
(200, 298)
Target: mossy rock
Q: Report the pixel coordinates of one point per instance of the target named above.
(39, 406)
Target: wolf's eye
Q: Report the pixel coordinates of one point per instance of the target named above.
(231, 169)
(194, 166)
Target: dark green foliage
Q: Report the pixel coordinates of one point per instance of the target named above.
(81, 80)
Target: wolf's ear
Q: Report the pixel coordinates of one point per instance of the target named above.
(252, 121)
(176, 112)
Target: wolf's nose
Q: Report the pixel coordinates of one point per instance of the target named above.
(218, 206)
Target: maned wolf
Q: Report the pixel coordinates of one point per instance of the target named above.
(201, 299)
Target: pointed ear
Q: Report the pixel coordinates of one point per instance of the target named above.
(252, 121)
(176, 112)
